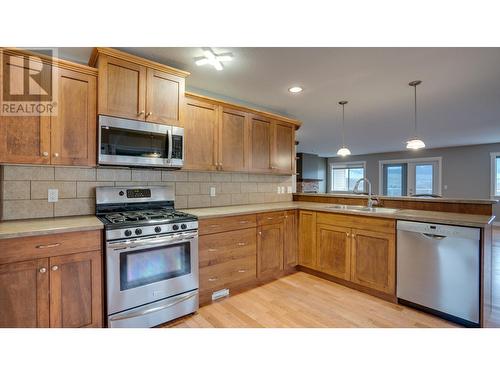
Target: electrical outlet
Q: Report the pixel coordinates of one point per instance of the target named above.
(282, 190)
(53, 195)
(445, 187)
(278, 190)
(289, 189)
(212, 191)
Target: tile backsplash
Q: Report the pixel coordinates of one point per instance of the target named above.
(23, 192)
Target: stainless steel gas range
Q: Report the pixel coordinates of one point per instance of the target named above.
(151, 256)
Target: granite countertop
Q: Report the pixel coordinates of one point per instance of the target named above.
(417, 199)
(414, 215)
(38, 227)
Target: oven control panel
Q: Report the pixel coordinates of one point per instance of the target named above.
(149, 230)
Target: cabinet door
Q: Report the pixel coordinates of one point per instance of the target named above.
(75, 290)
(307, 239)
(24, 139)
(290, 241)
(24, 294)
(260, 142)
(373, 262)
(122, 88)
(269, 250)
(283, 148)
(164, 98)
(334, 250)
(73, 138)
(200, 132)
(233, 140)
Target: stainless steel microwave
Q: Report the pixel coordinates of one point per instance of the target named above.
(139, 143)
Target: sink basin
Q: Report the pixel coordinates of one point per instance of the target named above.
(348, 207)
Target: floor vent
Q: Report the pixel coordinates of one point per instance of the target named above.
(220, 294)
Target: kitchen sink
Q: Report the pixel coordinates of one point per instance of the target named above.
(348, 207)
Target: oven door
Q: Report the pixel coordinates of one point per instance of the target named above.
(149, 269)
(129, 142)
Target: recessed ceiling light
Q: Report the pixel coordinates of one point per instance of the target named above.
(211, 58)
(295, 89)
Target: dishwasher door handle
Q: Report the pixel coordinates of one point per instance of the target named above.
(433, 236)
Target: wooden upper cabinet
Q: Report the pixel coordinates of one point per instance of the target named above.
(307, 239)
(260, 142)
(75, 290)
(138, 89)
(200, 133)
(164, 98)
(122, 88)
(283, 145)
(233, 144)
(373, 260)
(290, 258)
(269, 250)
(23, 139)
(24, 294)
(73, 136)
(334, 250)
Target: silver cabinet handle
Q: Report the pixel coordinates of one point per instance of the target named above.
(158, 308)
(242, 271)
(149, 114)
(48, 245)
(244, 222)
(212, 250)
(55, 268)
(213, 279)
(242, 243)
(42, 270)
(140, 113)
(45, 153)
(213, 225)
(56, 155)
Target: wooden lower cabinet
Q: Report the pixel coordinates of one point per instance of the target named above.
(269, 250)
(61, 286)
(307, 239)
(374, 260)
(334, 250)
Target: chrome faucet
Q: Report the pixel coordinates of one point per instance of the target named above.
(371, 200)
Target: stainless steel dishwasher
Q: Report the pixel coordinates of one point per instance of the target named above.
(438, 270)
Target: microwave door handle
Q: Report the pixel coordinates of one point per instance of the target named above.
(169, 156)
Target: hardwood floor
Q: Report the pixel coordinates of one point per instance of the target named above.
(303, 300)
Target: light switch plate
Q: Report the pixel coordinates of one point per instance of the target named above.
(212, 191)
(289, 189)
(53, 195)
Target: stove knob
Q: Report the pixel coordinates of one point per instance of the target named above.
(184, 226)
(128, 232)
(157, 229)
(138, 231)
(175, 227)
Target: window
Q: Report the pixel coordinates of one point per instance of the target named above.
(410, 177)
(345, 175)
(495, 174)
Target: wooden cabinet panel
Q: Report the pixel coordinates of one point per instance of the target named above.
(284, 148)
(73, 129)
(233, 135)
(75, 290)
(377, 224)
(275, 217)
(24, 294)
(24, 139)
(227, 274)
(225, 224)
(200, 132)
(260, 136)
(307, 239)
(290, 257)
(334, 250)
(373, 262)
(122, 88)
(223, 247)
(165, 98)
(269, 250)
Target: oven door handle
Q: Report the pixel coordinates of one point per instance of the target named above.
(157, 308)
(149, 242)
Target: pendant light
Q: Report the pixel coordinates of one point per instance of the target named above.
(343, 151)
(415, 143)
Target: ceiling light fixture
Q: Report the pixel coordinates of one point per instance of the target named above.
(343, 151)
(211, 58)
(295, 89)
(415, 143)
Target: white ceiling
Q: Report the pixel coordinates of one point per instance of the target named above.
(459, 99)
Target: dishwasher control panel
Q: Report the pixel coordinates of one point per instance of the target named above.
(439, 229)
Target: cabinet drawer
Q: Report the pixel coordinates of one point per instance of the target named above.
(223, 247)
(225, 274)
(16, 249)
(224, 224)
(275, 217)
(358, 221)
